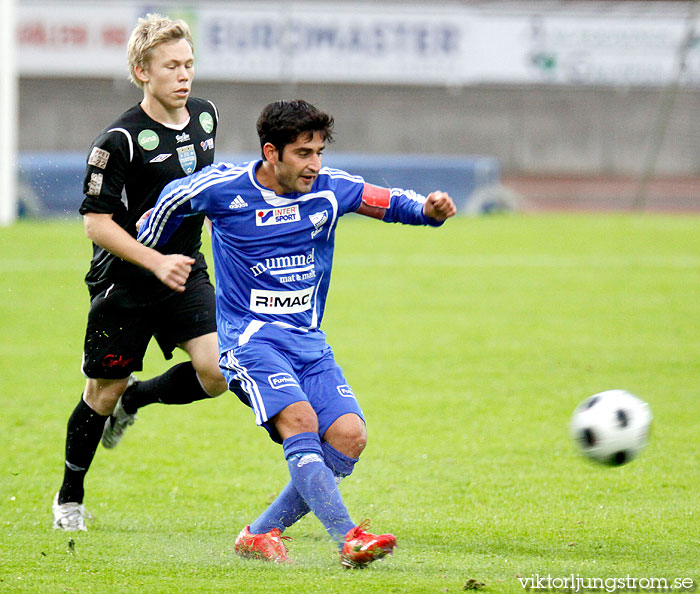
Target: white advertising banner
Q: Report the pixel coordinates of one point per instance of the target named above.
(600, 50)
(334, 43)
(371, 43)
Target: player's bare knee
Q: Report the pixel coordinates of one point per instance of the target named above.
(348, 434)
(355, 444)
(211, 380)
(102, 395)
(356, 438)
(360, 445)
(219, 387)
(214, 385)
(102, 404)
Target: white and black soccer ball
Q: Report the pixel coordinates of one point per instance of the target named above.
(611, 427)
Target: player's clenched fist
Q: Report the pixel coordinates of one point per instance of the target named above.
(173, 269)
(439, 206)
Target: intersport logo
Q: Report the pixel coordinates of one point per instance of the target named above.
(277, 216)
(280, 302)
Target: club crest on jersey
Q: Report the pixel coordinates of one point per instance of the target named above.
(318, 219)
(187, 158)
(277, 216)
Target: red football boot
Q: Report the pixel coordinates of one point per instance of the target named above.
(268, 546)
(361, 548)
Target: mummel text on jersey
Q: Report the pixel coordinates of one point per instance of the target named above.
(272, 254)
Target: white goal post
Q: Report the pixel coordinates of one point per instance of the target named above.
(8, 113)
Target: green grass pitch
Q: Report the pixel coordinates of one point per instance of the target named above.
(468, 347)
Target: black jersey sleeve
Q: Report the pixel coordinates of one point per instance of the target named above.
(105, 173)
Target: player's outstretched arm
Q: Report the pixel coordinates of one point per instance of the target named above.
(394, 205)
(171, 269)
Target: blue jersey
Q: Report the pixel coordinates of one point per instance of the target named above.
(272, 254)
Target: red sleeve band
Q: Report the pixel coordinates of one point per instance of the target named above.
(376, 196)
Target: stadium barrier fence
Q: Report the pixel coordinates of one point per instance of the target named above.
(50, 183)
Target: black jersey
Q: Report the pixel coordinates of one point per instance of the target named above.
(128, 165)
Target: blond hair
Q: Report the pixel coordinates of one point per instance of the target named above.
(150, 32)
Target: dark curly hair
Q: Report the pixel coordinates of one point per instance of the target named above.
(282, 122)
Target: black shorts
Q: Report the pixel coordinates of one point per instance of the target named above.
(121, 323)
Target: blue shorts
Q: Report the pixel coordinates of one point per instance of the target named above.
(271, 378)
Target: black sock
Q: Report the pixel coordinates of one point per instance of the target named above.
(82, 438)
(178, 385)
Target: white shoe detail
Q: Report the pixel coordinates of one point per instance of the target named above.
(368, 545)
(69, 516)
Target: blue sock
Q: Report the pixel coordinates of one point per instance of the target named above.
(289, 507)
(339, 463)
(316, 484)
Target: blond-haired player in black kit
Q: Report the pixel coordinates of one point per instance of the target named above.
(137, 292)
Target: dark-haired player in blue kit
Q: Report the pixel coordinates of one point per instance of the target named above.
(273, 234)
